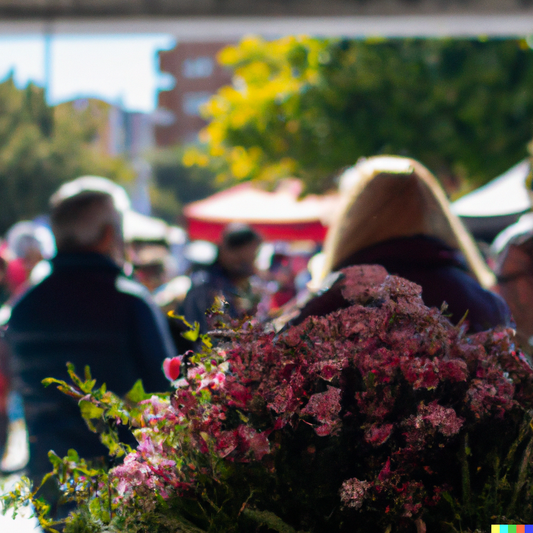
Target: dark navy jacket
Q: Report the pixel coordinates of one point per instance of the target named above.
(86, 313)
(437, 268)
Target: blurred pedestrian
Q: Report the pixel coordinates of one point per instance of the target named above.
(395, 214)
(5, 387)
(27, 250)
(514, 270)
(149, 266)
(281, 272)
(227, 278)
(87, 313)
(4, 292)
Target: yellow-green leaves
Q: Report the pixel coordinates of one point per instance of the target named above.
(308, 107)
(90, 411)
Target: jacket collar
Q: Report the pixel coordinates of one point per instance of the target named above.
(84, 260)
(418, 250)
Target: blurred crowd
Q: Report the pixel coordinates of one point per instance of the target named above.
(76, 286)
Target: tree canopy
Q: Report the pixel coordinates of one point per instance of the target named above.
(176, 184)
(42, 147)
(309, 107)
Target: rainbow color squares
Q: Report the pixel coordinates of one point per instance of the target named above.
(511, 528)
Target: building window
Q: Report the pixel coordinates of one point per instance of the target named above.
(199, 67)
(193, 101)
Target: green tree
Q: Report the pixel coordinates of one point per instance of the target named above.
(309, 107)
(42, 147)
(176, 184)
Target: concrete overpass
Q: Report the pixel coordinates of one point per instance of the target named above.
(228, 19)
(31, 9)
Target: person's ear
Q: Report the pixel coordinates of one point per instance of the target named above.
(105, 245)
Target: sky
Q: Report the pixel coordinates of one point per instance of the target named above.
(120, 69)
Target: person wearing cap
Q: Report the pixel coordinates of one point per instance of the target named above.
(87, 313)
(394, 213)
(228, 278)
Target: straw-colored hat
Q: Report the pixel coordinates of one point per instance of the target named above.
(387, 197)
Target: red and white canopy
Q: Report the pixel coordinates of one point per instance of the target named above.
(277, 215)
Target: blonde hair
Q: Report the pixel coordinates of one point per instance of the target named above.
(387, 197)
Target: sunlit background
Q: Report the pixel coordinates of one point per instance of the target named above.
(120, 69)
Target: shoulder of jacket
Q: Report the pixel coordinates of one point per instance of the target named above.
(132, 288)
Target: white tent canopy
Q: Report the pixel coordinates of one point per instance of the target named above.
(138, 227)
(503, 196)
(143, 228)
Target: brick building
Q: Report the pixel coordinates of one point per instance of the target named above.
(197, 76)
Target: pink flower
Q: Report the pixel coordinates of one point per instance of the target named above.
(378, 435)
(172, 367)
(430, 419)
(385, 473)
(353, 492)
(444, 419)
(453, 369)
(213, 380)
(385, 378)
(325, 407)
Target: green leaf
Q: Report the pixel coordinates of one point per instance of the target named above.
(87, 385)
(48, 381)
(72, 455)
(89, 410)
(54, 458)
(206, 342)
(64, 387)
(181, 318)
(447, 496)
(269, 519)
(110, 441)
(116, 411)
(137, 393)
(70, 391)
(244, 418)
(193, 334)
(71, 369)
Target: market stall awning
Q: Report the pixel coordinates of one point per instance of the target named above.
(489, 209)
(138, 227)
(277, 215)
(504, 195)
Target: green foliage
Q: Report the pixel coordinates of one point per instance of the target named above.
(101, 409)
(176, 184)
(23, 495)
(309, 107)
(40, 148)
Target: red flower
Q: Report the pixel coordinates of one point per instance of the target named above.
(172, 367)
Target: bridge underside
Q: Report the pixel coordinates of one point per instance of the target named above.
(217, 20)
(35, 9)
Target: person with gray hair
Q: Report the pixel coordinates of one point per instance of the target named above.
(513, 250)
(88, 221)
(87, 313)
